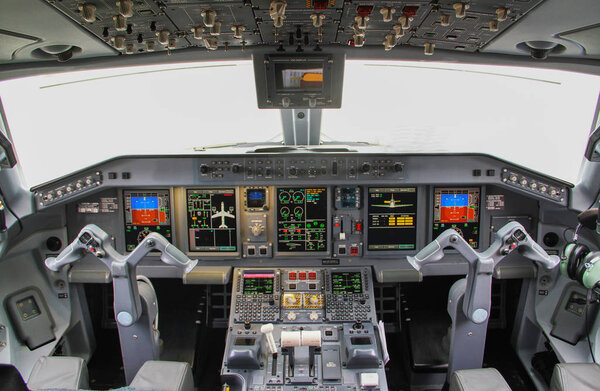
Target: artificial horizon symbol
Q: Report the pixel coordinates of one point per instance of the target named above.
(222, 214)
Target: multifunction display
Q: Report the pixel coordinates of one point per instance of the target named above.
(146, 211)
(457, 208)
(392, 218)
(212, 220)
(301, 219)
(346, 282)
(259, 283)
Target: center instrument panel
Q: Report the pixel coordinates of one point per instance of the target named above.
(323, 209)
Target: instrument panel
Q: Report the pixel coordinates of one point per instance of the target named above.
(317, 209)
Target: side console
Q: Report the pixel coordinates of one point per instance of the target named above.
(304, 329)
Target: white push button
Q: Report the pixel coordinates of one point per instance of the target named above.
(369, 380)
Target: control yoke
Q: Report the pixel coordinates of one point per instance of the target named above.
(477, 299)
(94, 240)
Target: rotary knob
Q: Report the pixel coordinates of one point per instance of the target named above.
(257, 229)
(313, 316)
(366, 167)
(291, 316)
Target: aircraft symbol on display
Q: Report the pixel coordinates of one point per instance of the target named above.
(222, 214)
(392, 204)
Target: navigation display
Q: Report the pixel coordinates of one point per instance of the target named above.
(146, 211)
(457, 208)
(346, 282)
(212, 220)
(301, 219)
(392, 219)
(259, 283)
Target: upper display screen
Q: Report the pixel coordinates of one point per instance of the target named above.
(457, 208)
(301, 219)
(212, 220)
(392, 219)
(346, 282)
(259, 283)
(146, 211)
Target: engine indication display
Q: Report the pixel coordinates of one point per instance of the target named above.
(392, 219)
(346, 282)
(212, 220)
(301, 219)
(146, 211)
(457, 208)
(259, 283)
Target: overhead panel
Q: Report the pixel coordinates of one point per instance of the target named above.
(141, 26)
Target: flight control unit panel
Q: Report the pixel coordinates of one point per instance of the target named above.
(303, 328)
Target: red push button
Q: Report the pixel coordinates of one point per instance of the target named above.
(353, 250)
(292, 276)
(302, 276)
(312, 276)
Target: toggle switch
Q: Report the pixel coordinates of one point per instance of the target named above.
(150, 46)
(163, 37)
(359, 40)
(358, 31)
(88, 12)
(493, 25)
(445, 20)
(502, 14)
(277, 12)
(208, 17)
(460, 9)
(361, 21)
(399, 30)
(125, 8)
(211, 43)
(120, 22)
(389, 42)
(118, 42)
(238, 31)
(197, 31)
(317, 20)
(429, 48)
(216, 28)
(387, 13)
(405, 21)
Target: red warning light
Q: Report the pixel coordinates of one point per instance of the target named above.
(365, 10)
(320, 4)
(410, 11)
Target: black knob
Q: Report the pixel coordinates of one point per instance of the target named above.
(204, 169)
(551, 239)
(366, 167)
(247, 325)
(398, 167)
(358, 325)
(53, 244)
(293, 171)
(236, 168)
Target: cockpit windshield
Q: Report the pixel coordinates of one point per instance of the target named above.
(537, 118)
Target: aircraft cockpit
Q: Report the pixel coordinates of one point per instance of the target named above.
(299, 196)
